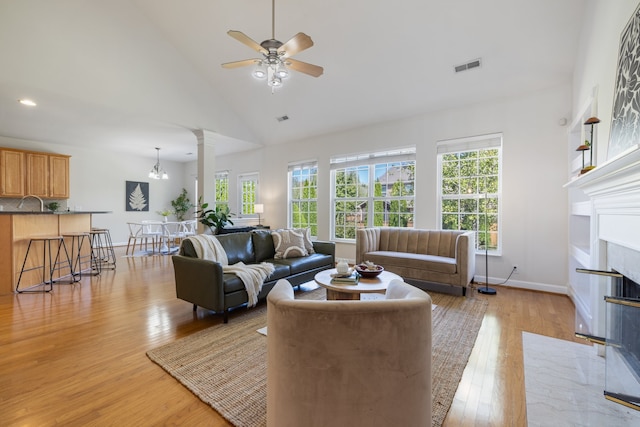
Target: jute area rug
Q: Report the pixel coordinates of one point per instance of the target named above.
(225, 365)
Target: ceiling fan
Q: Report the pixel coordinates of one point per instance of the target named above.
(276, 56)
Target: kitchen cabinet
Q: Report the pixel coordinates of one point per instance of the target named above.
(24, 173)
(58, 176)
(12, 183)
(38, 174)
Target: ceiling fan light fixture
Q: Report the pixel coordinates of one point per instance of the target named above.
(282, 72)
(259, 72)
(276, 62)
(275, 82)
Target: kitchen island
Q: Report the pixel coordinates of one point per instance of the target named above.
(16, 230)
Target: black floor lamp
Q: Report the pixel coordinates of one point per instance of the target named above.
(486, 290)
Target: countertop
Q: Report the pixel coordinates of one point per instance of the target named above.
(52, 213)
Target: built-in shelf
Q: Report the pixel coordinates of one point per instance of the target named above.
(581, 208)
(579, 221)
(581, 255)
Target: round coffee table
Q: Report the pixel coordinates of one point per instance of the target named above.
(338, 291)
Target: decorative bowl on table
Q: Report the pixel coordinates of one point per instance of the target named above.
(369, 272)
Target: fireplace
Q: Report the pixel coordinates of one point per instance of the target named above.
(613, 315)
(622, 338)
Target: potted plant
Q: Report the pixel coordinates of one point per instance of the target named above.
(216, 219)
(181, 205)
(53, 206)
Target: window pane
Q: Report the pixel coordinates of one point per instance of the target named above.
(248, 194)
(303, 198)
(469, 198)
(380, 194)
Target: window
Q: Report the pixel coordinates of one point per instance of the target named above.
(470, 188)
(375, 189)
(222, 189)
(303, 196)
(248, 192)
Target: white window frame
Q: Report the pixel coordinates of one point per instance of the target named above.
(221, 176)
(309, 168)
(365, 163)
(253, 177)
(476, 193)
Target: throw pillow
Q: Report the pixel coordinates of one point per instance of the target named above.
(306, 233)
(288, 244)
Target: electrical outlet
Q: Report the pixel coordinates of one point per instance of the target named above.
(515, 268)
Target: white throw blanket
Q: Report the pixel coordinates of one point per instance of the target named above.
(208, 247)
(253, 275)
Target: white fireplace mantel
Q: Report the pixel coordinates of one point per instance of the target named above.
(615, 176)
(613, 190)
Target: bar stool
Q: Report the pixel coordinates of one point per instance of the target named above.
(77, 241)
(49, 244)
(102, 249)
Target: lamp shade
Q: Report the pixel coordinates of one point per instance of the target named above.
(258, 208)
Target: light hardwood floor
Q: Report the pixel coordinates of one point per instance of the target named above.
(76, 357)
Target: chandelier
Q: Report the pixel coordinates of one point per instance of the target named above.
(157, 172)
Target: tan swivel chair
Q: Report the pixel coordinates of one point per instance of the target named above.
(349, 363)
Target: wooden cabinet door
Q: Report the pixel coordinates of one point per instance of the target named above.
(12, 172)
(58, 177)
(38, 174)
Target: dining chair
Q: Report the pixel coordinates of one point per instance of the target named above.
(143, 232)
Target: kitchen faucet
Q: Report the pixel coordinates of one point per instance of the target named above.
(35, 197)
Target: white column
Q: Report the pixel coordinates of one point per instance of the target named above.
(206, 167)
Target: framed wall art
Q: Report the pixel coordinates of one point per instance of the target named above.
(625, 118)
(137, 196)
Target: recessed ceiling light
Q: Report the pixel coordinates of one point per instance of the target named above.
(27, 102)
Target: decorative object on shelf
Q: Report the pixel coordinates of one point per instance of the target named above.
(259, 209)
(136, 196)
(625, 118)
(181, 205)
(276, 56)
(583, 148)
(156, 171)
(216, 219)
(591, 121)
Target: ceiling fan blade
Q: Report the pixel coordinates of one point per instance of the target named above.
(303, 67)
(244, 39)
(242, 63)
(296, 44)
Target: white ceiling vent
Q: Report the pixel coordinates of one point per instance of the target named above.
(468, 66)
(282, 118)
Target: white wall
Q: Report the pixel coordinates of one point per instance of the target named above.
(534, 208)
(597, 62)
(97, 183)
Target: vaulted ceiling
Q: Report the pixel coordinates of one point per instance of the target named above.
(131, 75)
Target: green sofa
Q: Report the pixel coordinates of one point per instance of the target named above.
(203, 283)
